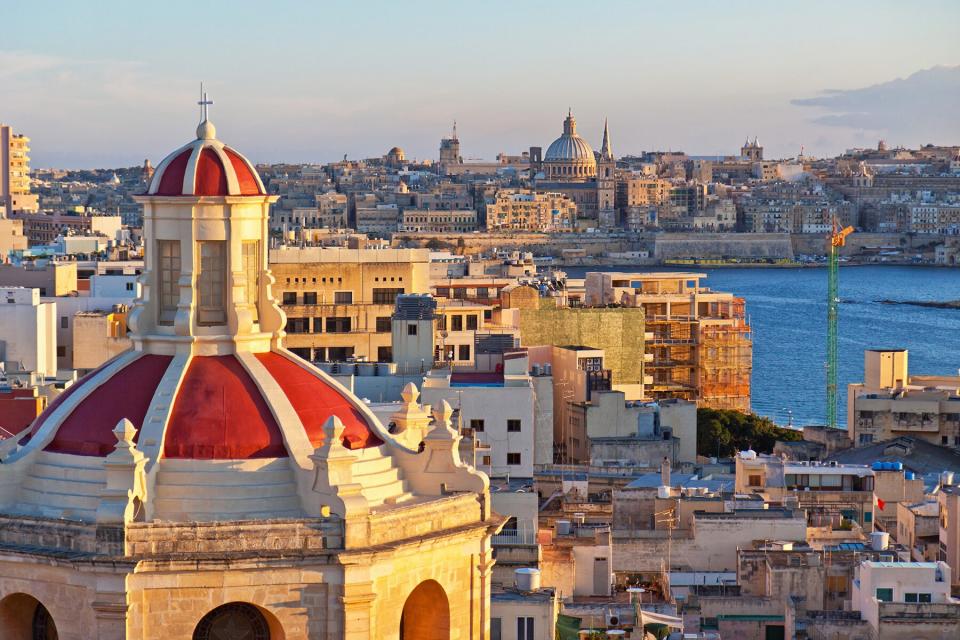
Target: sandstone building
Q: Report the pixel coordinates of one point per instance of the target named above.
(208, 483)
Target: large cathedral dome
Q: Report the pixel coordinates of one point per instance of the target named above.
(570, 157)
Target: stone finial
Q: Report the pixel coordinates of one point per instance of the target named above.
(410, 421)
(442, 427)
(125, 432)
(442, 413)
(410, 393)
(125, 491)
(333, 479)
(333, 432)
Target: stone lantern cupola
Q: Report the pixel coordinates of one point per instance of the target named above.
(206, 284)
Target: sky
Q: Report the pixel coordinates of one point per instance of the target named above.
(107, 84)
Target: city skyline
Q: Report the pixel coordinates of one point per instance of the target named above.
(108, 90)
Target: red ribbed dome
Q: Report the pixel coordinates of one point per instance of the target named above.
(205, 167)
(220, 411)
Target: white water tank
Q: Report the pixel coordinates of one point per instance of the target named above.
(946, 478)
(749, 454)
(616, 633)
(563, 527)
(879, 540)
(527, 579)
(536, 370)
(547, 369)
(663, 492)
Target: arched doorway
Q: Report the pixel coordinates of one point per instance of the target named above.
(233, 621)
(426, 613)
(23, 617)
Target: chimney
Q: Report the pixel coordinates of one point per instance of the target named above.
(665, 472)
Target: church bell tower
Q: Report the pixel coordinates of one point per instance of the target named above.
(606, 183)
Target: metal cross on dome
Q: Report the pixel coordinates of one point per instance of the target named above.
(204, 103)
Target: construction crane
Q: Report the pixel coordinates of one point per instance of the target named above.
(837, 239)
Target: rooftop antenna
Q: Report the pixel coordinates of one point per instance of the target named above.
(204, 103)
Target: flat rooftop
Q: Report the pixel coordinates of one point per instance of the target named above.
(579, 347)
(515, 595)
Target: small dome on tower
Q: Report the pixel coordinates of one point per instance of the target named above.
(205, 167)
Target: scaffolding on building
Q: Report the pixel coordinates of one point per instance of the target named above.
(726, 360)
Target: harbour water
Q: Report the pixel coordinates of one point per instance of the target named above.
(787, 310)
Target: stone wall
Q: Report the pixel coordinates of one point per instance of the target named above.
(720, 245)
(713, 546)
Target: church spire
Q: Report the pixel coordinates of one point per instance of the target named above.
(606, 151)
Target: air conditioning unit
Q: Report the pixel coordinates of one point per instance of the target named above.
(613, 620)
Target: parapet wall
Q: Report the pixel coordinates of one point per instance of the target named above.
(723, 245)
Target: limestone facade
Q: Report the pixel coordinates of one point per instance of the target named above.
(208, 483)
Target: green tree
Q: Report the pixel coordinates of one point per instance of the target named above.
(724, 432)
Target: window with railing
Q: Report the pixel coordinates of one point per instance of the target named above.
(298, 325)
(386, 295)
(336, 324)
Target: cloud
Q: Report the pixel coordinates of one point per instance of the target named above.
(914, 110)
(21, 63)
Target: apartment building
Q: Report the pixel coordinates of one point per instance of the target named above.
(339, 302)
(330, 212)
(634, 190)
(496, 409)
(940, 218)
(906, 599)
(377, 219)
(44, 228)
(11, 238)
(835, 496)
(948, 501)
(99, 335)
(15, 173)
(438, 220)
(700, 339)
(51, 279)
(28, 333)
(890, 403)
(531, 211)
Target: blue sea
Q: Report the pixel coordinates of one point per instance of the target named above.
(787, 311)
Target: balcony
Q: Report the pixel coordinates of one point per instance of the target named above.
(915, 424)
(524, 534)
(661, 339)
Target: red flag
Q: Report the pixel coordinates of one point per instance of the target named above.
(881, 504)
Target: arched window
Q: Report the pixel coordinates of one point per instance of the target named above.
(426, 613)
(233, 620)
(23, 617)
(43, 625)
